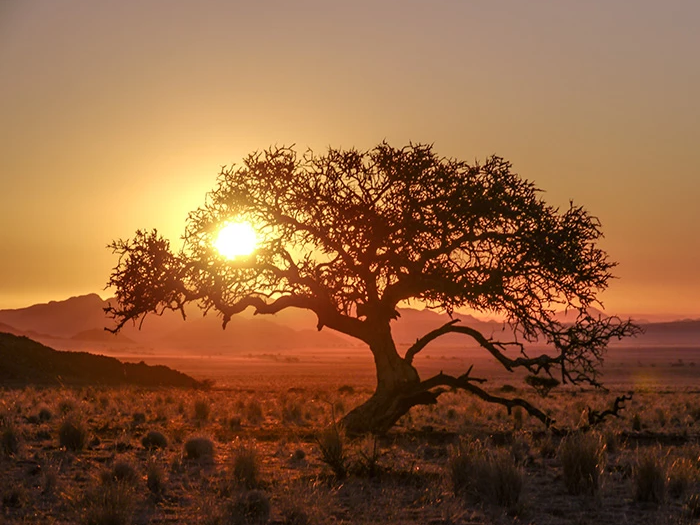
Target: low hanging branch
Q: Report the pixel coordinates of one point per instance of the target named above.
(464, 382)
(495, 348)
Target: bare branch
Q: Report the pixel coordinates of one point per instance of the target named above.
(596, 417)
(495, 348)
(466, 383)
(426, 339)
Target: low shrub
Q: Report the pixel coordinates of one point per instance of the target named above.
(121, 472)
(485, 475)
(15, 497)
(138, 418)
(250, 508)
(368, 453)
(109, 504)
(681, 475)
(649, 478)
(331, 443)
(66, 405)
(582, 456)
(10, 438)
(254, 412)
(155, 478)
(202, 409)
(636, 423)
(692, 506)
(292, 412)
(154, 440)
(295, 515)
(245, 467)
(45, 415)
(73, 435)
(199, 448)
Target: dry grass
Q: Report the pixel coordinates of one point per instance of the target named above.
(256, 457)
(73, 434)
(332, 444)
(649, 477)
(245, 466)
(582, 456)
(485, 474)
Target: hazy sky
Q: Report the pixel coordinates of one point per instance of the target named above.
(118, 115)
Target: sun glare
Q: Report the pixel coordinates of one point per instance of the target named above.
(236, 239)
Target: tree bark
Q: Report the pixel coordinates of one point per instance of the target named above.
(394, 395)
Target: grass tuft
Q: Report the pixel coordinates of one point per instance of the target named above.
(121, 472)
(199, 448)
(154, 440)
(250, 508)
(10, 438)
(331, 443)
(485, 475)
(582, 456)
(73, 434)
(155, 478)
(109, 504)
(649, 477)
(246, 466)
(202, 409)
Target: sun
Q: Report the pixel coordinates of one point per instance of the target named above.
(236, 239)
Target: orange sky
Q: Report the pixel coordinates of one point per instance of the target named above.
(118, 115)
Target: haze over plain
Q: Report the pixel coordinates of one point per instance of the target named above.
(118, 116)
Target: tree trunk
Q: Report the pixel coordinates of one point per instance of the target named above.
(396, 382)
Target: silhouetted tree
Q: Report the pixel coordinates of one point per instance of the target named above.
(350, 235)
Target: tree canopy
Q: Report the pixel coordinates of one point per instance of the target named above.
(351, 235)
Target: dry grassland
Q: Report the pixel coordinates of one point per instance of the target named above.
(260, 448)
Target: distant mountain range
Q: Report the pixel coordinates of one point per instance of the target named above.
(78, 324)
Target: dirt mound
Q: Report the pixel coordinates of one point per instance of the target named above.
(24, 361)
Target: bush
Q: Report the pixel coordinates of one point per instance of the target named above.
(153, 440)
(199, 448)
(331, 443)
(9, 438)
(292, 412)
(649, 478)
(110, 504)
(202, 409)
(245, 468)
(155, 478)
(680, 477)
(45, 415)
(369, 453)
(692, 506)
(250, 508)
(488, 476)
(583, 461)
(66, 405)
(636, 423)
(122, 472)
(234, 423)
(543, 385)
(295, 515)
(73, 435)
(15, 497)
(254, 412)
(138, 418)
(548, 448)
